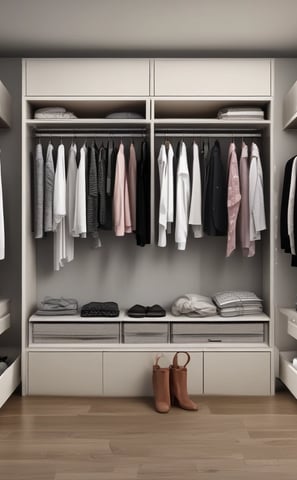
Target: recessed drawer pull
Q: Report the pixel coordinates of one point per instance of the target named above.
(214, 340)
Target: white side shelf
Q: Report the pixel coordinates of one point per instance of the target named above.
(291, 316)
(9, 380)
(5, 107)
(4, 323)
(287, 373)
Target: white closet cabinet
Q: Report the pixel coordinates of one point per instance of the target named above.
(60, 373)
(85, 76)
(126, 372)
(187, 95)
(215, 77)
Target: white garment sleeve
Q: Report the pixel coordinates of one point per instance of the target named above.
(195, 218)
(80, 214)
(182, 199)
(256, 196)
(170, 189)
(291, 203)
(70, 201)
(2, 232)
(59, 210)
(163, 206)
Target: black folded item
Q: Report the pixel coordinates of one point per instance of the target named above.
(100, 309)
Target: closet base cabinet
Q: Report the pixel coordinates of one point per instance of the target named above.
(237, 373)
(65, 373)
(129, 374)
(9, 380)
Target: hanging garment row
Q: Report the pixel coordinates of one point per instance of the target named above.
(288, 221)
(211, 201)
(103, 189)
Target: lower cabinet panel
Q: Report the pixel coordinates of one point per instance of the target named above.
(65, 373)
(130, 373)
(237, 373)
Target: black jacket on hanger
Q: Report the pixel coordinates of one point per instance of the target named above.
(284, 235)
(215, 198)
(110, 176)
(143, 197)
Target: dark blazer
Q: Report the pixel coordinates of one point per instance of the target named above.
(143, 197)
(284, 235)
(215, 198)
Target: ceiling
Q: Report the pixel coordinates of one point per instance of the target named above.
(148, 27)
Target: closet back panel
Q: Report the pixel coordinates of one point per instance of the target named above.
(217, 76)
(87, 76)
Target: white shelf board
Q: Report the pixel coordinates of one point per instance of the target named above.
(213, 122)
(147, 347)
(4, 323)
(288, 312)
(123, 317)
(83, 122)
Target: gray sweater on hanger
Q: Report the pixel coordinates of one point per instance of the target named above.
(38, 191)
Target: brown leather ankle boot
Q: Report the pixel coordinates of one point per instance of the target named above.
(178, 384)
(161, 388)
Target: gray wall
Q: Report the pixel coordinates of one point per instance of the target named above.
(10, 144)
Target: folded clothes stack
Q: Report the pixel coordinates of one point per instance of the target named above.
(100, 309)
(57, 306)
(53, 112)
(241, 113)
(193, 305)
(233, 303)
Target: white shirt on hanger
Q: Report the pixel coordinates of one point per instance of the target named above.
(170, 189)
(59, 210)
(256, 195)
(2, 232)
(80, 213)
(182, 199)
(195, 218)
(70, 201)
(163, 205)
(290, 213)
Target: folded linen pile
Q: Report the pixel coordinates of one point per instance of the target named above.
(193, 305)
(233, 303)
(57, 306)
(53, 112)
(100, 309)
(241, 113)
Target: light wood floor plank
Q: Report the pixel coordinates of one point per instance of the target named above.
(242, 438)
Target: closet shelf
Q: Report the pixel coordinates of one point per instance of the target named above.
(214, 122)
(262, 317)
(4, 323)
(9, 380)
(87, 122)
(5, 107)
(291, 316)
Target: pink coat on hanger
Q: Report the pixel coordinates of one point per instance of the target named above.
(121, 207)
(233, 198)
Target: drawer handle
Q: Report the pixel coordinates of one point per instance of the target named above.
(214, 340)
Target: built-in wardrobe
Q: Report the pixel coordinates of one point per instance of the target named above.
(175, 98)
(9, 355)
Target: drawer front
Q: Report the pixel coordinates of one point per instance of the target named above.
(237, 373)
(217, 77)
(288, 373)
(4, 306)
(9, 380)
(130, 373)
(82, 77)
(65, 373)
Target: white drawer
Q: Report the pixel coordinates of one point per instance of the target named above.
(287, 373)
(9, 380)
(129, 374)
(87, 76)
(216, 77)
(4, 306)
(292, 325)
(65, 373)
(237, 373)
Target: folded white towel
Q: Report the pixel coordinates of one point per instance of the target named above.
(193, 305)
(52, 115)
(51, 110)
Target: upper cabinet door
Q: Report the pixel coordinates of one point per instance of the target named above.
(213, 77)
(87, 77)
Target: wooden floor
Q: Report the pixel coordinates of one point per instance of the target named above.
(125, 439)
